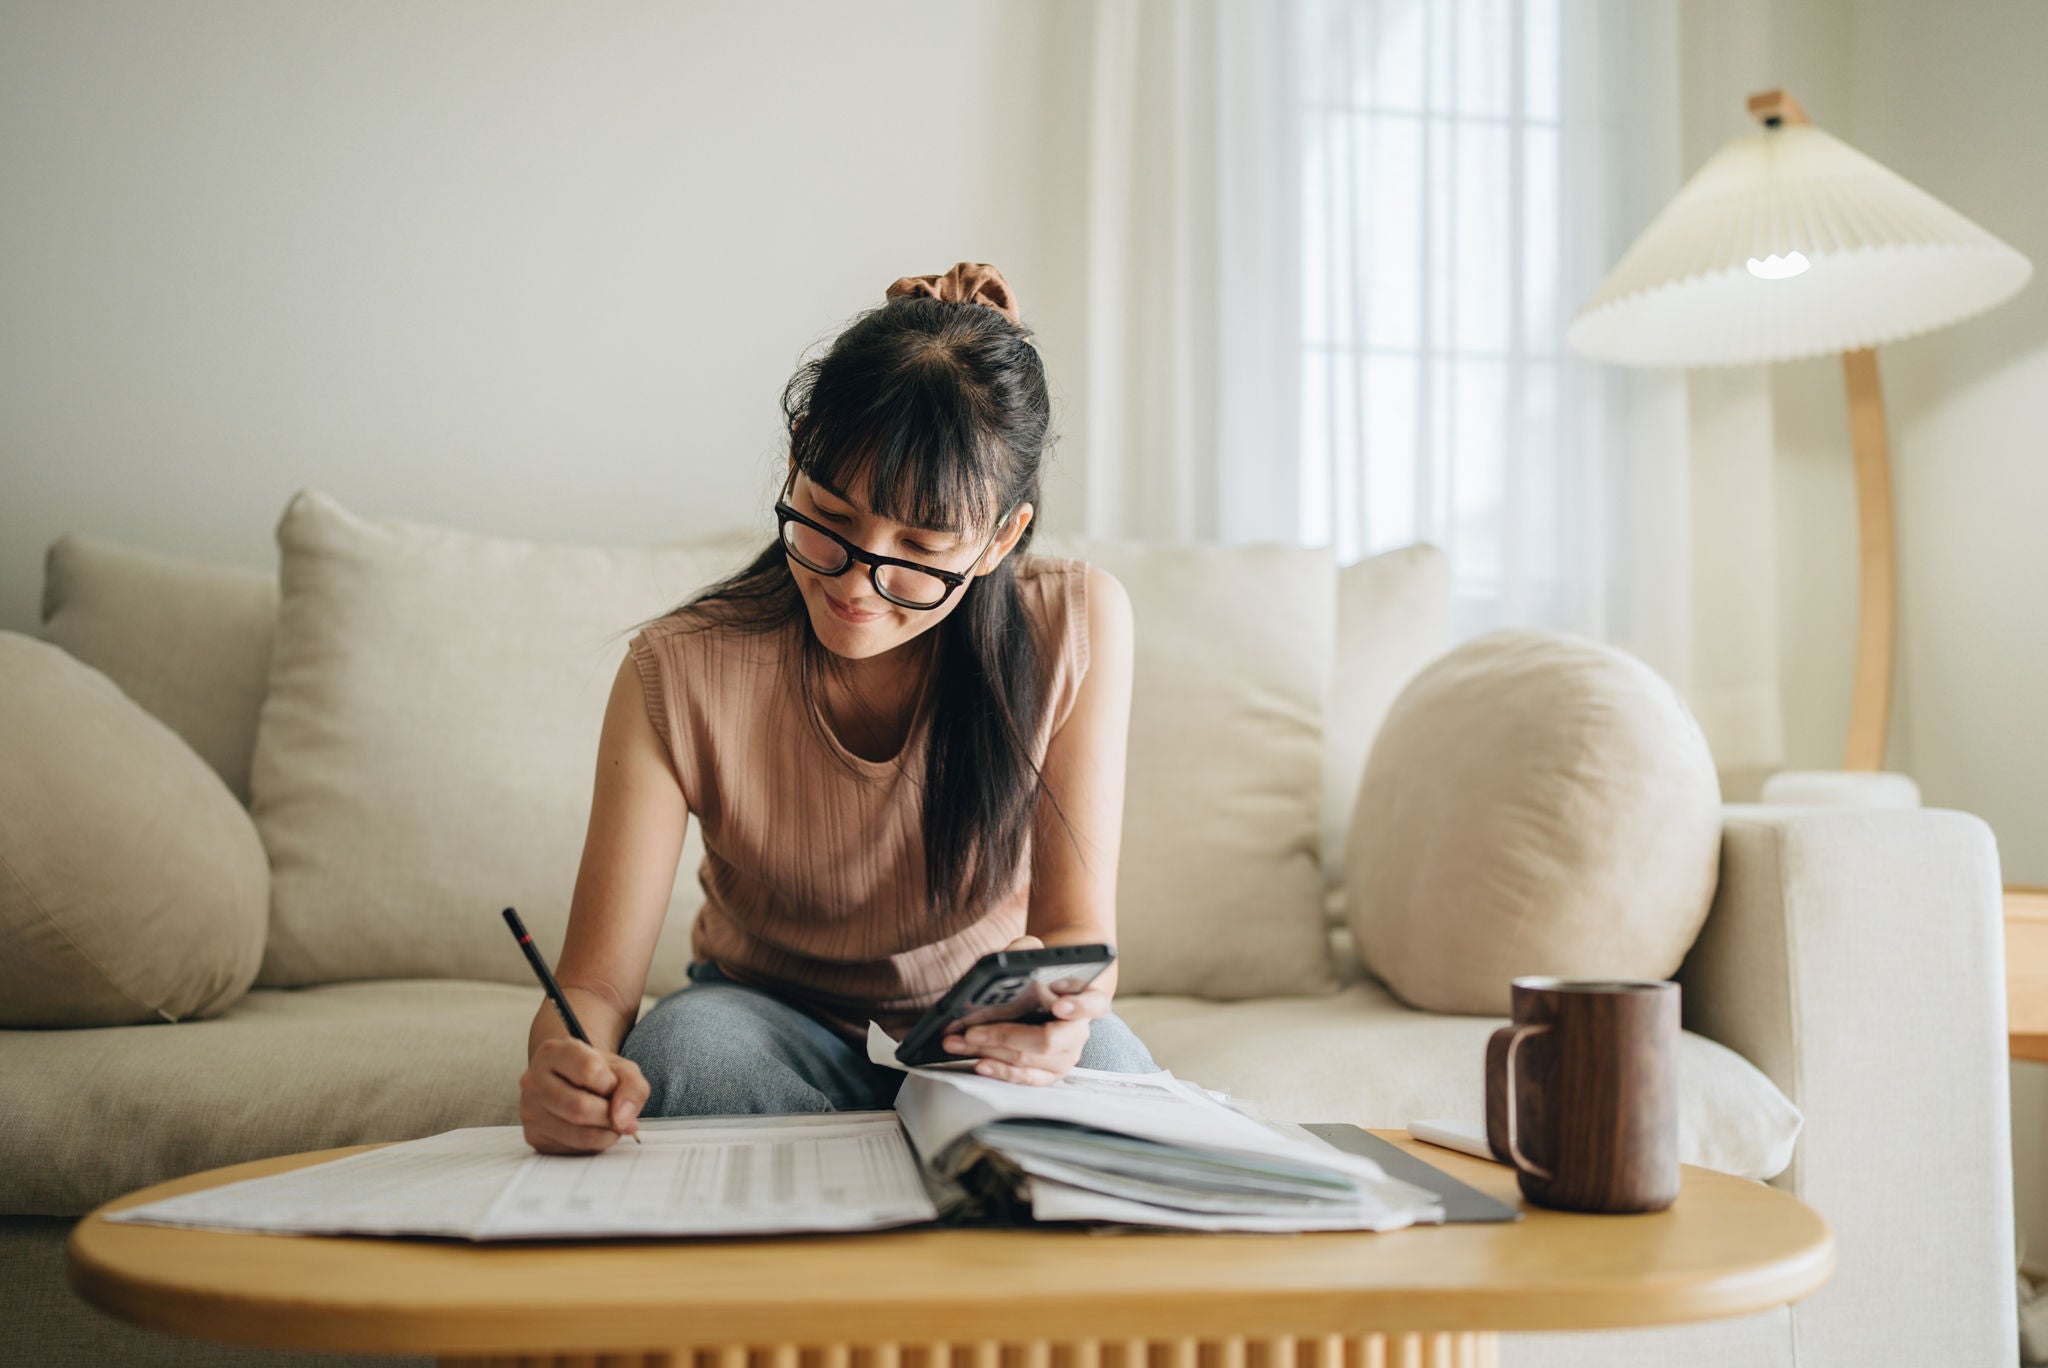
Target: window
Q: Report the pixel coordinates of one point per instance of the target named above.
(1432, 380)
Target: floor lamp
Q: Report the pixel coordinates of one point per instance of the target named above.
(1789, 243)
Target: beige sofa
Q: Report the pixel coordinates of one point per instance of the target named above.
(407, 716)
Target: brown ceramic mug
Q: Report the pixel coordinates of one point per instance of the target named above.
(1582, 1093)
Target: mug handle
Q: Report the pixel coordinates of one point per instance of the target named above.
(1521, 1161)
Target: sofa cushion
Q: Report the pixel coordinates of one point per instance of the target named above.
(1359, 1055)
(425, 751)
(132, 885)
(188, 640)
(88, 1115)
(1536, 802)
(1393, 618)
(1219, 886)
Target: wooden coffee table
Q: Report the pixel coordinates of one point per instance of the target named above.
(1435, 1295)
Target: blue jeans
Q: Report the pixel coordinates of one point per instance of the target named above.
(718, 1048)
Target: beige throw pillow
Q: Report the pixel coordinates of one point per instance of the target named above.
(1219, 888)
(189, 640)
(132, 886)
(1393, 618)
(427, 746)
(1535, 803)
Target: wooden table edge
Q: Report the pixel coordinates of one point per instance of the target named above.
(228, 1316)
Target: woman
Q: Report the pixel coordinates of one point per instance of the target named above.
(905, 745)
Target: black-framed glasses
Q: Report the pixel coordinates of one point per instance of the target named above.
(905, 583)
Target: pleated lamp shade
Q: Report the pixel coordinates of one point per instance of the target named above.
(1790, 243)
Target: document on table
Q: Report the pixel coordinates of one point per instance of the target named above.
(1095, 1145)
(1148, 1149)
(690, 1176)
(834, 1171)
(442, 1185)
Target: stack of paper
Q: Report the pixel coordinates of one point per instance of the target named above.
(1144, 1149)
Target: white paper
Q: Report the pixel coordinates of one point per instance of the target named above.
(1127, 1188)
(826, 1171)
(939, 1108)
(441, 1185)
(690, 1176)
(1056, 1201)
(818, 1171)
(882, 1047)
(1466, 1137)
(882, 1050)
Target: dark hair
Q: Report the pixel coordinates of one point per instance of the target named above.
(943, 405)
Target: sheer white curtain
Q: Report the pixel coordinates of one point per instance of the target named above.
(1190, 383)
(1470, 169)
(1332, 245)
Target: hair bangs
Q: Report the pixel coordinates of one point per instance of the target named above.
(918, 449)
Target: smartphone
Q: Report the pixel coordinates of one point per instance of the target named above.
(1008, 985)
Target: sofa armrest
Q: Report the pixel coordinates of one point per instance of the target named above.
(1856, 956)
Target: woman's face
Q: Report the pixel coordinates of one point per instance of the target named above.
(847, 614)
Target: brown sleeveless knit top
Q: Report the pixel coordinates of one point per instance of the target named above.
(813, 872)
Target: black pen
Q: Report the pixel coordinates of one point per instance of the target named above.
(547, 981)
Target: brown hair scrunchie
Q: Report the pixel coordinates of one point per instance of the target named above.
(970, 281)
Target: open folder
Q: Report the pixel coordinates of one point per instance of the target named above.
(1139, 1149)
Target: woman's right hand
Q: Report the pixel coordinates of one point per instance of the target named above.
(576, 1099)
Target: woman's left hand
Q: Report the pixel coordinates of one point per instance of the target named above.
(1023, 1053)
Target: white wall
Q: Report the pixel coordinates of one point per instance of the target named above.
(539, 269)
(1952, 97)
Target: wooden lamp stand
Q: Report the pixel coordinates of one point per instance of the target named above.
(1870, 706)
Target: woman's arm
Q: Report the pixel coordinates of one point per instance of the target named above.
(575, 1098)
(1073, 878)
(628, 872)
